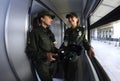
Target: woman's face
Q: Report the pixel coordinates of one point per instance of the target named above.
(47, 20)
(73, 20)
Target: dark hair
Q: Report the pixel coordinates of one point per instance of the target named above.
(35, 22)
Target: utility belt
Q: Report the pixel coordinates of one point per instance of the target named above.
(70, 53)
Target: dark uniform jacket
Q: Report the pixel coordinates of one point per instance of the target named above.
(76, 36)
(40, 42)
(74, 45)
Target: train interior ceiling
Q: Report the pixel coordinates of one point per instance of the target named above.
(16, 19)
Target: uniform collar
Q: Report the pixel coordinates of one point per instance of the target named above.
(74, 28)
(42, 28)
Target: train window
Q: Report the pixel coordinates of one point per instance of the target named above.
(105, 36)
(106, 43)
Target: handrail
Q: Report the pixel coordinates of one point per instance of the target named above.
(99, 69)
(92, 67)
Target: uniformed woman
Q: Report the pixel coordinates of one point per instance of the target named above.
(41, 48)
(74, 44)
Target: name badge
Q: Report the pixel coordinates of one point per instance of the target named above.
(79, 33)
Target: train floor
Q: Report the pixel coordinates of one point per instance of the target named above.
(108, 54)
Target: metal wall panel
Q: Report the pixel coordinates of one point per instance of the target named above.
(6, 73)
(14, 22)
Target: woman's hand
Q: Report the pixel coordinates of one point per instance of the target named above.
(50, 56)
(91, 52)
